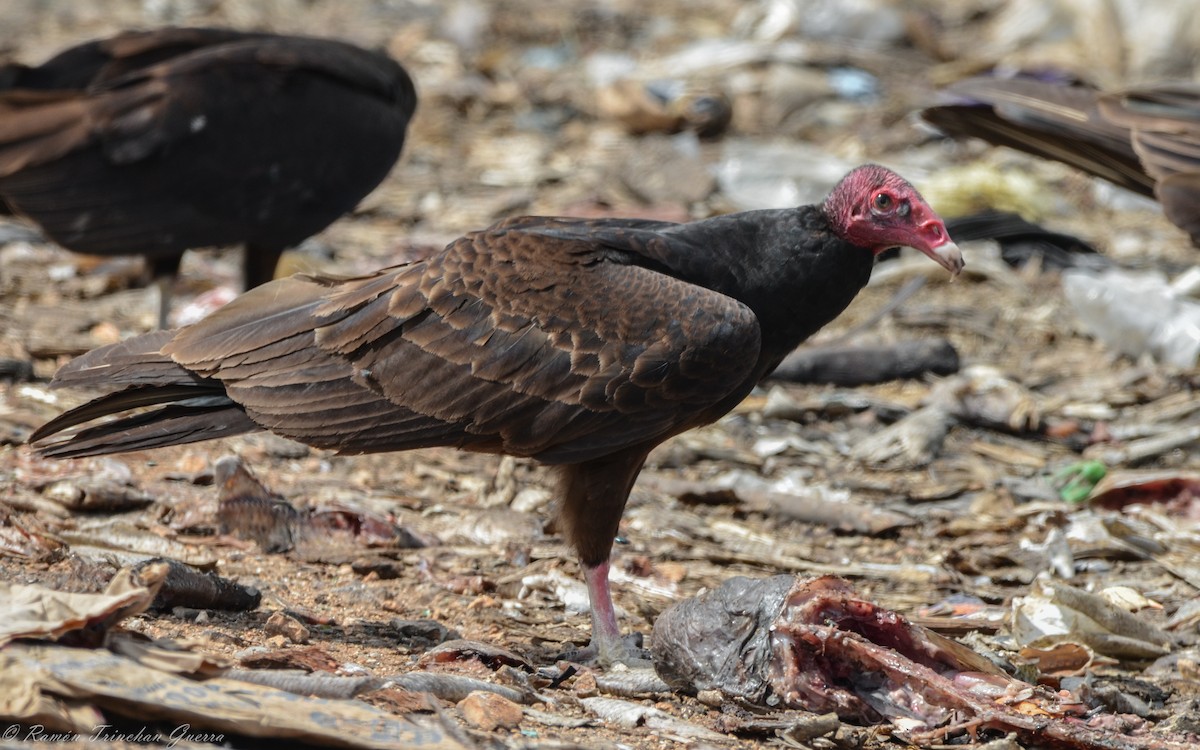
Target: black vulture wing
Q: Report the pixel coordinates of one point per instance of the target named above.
(198, 143)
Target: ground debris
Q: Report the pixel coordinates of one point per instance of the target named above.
(454, 688)
(488, 654)
(812, 644)
(488, 711)
(213, 708)
(36, 611)
(935, 494)
(301, 683)
(185, 586)
(628, 714)
(1055, 612)
(858, 365)
(249, 510)
(288, 627)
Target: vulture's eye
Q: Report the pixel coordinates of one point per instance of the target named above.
(883, 201)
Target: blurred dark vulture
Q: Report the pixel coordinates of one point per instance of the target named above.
(1146, 139)
(582, 344)
(155, 142)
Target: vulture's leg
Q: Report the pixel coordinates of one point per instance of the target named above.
(594, 495)
(164, 272)
(258, 264)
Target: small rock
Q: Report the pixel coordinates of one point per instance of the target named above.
(422, 634)
(402, 702)
(106, 333)
(288, 627)
(585, 685)
(714, 698)
(500, 526)
(488, 711)
(377, 568)
(490, 655)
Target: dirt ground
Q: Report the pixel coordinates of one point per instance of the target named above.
(957, 525)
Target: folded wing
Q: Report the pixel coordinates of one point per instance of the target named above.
(510, 341)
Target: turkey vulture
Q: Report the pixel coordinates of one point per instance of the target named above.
(1146, 139)
(155, 142)
(579, 343)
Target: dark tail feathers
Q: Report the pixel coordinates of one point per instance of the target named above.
(196, 408)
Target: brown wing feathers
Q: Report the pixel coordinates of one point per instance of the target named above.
(1049, 120)
(501, 343)
(1146, 139)
(177, 424)
(1163, 124)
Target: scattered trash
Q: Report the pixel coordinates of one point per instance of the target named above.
(202, 306)
(318, 685)
(107, 487)
(1023, 241)
(629, 714)
(16, 370)
(776, 175)
(386, 560)
(865, 21)
(454, 688)
(984, 186)
(1177, 491)
(184, 586)
(129, 543)
(419, 635)
(1051, 554)
(569, 592)
(289, 658)
(1076, 481)
(52, 679)
(487, 654)
(1055, 613)
(813, 644)
(815, 504)
(248, 509)
(36, 611)
(663, 170)
(665, 106)
(863, 364)
(913, 441)
(1136, 313)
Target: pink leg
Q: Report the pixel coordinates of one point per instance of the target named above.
(606, 634)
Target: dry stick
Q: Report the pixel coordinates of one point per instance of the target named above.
(853, 365)
(450, 687)
(1137, 451)
(632, 683)
(303, 683)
